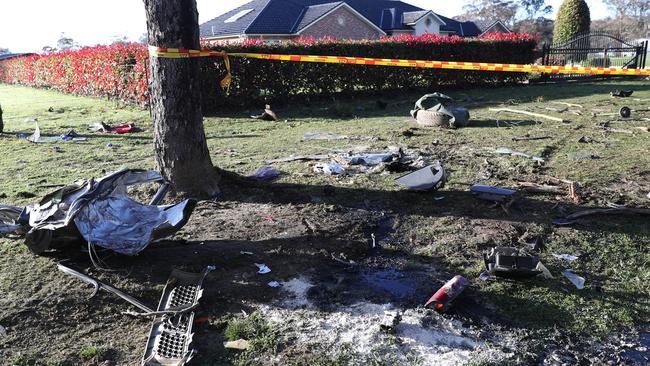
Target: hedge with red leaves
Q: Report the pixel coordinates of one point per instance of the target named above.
(119, 71)
(116, 71)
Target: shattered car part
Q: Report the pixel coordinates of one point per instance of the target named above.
(625, 112)
(443, 298)
(99, 284)
(171, 330)
(577, 281)
(265, 173)
(329, 168)
(509, 151)
(71, 135)
(390, 321)
(9, 216)
(508, 262)
(622, 93)
(490, 193)
(430, 177)
(104, 214)
(170, 336)
(441, 114)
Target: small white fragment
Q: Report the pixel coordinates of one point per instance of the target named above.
(545, 272)
(263, 268)
(578, 281)
(274, 284)
(240, 344)
(246, 253)
(484, 276)
(566, 257)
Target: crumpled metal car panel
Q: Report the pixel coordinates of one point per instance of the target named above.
(126, 226)
(103, 213)
(9, 216)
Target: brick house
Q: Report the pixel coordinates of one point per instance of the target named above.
(281, 20)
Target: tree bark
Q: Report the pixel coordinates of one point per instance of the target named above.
(181, 149)
(2, 125)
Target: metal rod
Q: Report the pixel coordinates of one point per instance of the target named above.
(99, 284)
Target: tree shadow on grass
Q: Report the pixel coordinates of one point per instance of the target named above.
(404, 202)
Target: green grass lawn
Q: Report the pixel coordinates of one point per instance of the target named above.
(614, 255)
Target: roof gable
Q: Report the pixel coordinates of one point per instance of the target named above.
(259, 17)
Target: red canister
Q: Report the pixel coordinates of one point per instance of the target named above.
(442, 299)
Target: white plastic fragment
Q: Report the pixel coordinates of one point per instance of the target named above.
(240, 344)
(566, 257)
(263, 268)
(484, 276)
(578, 281)
(545, 272)
(329, 168)
(246, 253)
(274, 284)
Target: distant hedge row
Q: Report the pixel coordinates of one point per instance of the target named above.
(119, 71)
(116, 71)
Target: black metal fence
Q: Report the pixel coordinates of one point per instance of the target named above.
(594, 49)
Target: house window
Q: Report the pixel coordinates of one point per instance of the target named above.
(236, 17)
(427, 22)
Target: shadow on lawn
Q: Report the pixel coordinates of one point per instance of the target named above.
(404, 202)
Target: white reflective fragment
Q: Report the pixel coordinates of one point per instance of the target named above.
(263, 268)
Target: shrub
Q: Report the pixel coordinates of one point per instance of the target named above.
(116, 71)
(119, 71)
(573, 18)
(257, 80)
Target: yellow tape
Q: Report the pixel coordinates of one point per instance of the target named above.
(446, 65)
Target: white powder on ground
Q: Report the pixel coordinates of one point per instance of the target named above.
(357, 326)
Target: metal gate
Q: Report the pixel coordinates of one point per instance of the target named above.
(594, 49)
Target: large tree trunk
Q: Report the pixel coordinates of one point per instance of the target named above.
(179, 139)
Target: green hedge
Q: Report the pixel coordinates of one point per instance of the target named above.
(256, 81)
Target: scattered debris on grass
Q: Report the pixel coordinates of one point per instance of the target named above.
(104, 214)
(510, 263)
(566, 257)
(531, 114)
(622, 93)
(442, 113)
(298, 158)
(267, 115)
(262, 268)
(512, 152)
(578, 281)
(427, 178)
(494, 194)
(530, 138)
(265, 173)
(240, 344)
(128, 127)
(612, 209)
(443, 298)
(329, 168)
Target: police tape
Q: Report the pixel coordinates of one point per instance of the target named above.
(446, 65)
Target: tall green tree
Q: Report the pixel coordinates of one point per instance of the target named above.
(536, 9)
(491, 10)
(573, 18)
